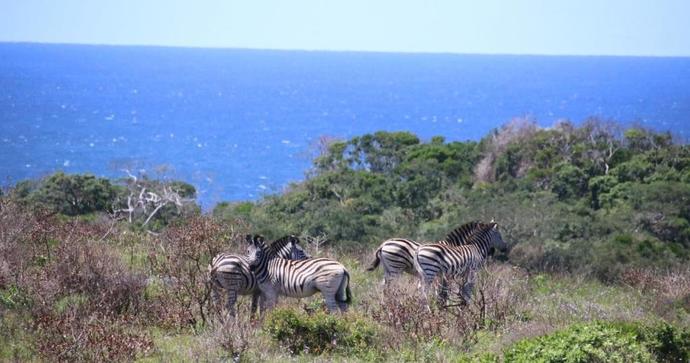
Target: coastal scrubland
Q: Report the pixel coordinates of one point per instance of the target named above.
(596, 215)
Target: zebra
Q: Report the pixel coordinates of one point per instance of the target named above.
(448, 261)
(397, 254)
(232, 273)
(278, 276)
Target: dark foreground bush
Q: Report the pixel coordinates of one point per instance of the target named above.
(319, 333)
(605, 342)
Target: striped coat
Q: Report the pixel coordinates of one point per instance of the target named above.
(279, 276)
(397, 254)
(450, 262)
(232, 273)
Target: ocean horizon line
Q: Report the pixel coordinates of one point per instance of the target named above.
(342, 51)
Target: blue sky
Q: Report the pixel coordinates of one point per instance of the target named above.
(583, 27)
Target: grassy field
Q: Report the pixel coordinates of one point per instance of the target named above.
(88, 289)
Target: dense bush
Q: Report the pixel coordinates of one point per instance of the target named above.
(320, 332)
(605, 342)
(70, 194)
(78, 298)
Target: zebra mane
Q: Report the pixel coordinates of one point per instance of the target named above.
(463, 234)
(483, 229)
(282, 242)
(287, 247)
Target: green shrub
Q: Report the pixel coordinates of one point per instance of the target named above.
(73, 194)
(581, 343)
(319, 333)
(666, 342)
(605, 342)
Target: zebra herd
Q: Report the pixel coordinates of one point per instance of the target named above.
(283, 268)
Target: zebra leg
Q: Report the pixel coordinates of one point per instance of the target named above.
(267, 300)
(467, 288)
(331, 302)
(387, 274)
(232, 299)
(443, 291)
(255, 300)
(424, 282)
(215, 295)
(343, 306)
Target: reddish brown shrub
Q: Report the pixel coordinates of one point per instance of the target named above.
(667, 290)
(74, 335)
(499, 298)
(180, 259)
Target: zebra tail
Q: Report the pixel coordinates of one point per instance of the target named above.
(376, 262)
(344, 289)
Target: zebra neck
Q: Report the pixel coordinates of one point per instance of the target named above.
(260, 268)
(484, 246)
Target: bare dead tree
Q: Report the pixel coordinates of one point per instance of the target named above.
(512, 132)
(605, 138)
(146, 198)
(315, 243)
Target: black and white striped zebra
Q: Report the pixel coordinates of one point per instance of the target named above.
(279, 276)
(397, 254)
(232, 273)
(452, 262)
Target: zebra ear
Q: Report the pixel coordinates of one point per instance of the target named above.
(258, 240)
(249, 238)
(294, 239)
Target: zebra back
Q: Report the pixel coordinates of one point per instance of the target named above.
(286, 247)
(438, 258)
(463, 234)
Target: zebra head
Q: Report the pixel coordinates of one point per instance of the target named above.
(297, 252)
(257, 250)
(288, 247)
(496, 238)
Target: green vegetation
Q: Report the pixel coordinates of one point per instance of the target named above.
(593, 199)
(144, 202)
(319, 333)
(605, 342)
(597, 218)
(69, 194)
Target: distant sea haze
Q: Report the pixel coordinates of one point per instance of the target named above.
(239, 123)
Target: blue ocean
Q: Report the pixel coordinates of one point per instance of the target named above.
(239, 124)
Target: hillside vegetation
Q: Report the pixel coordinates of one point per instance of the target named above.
(597, 217)
(592, 198)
